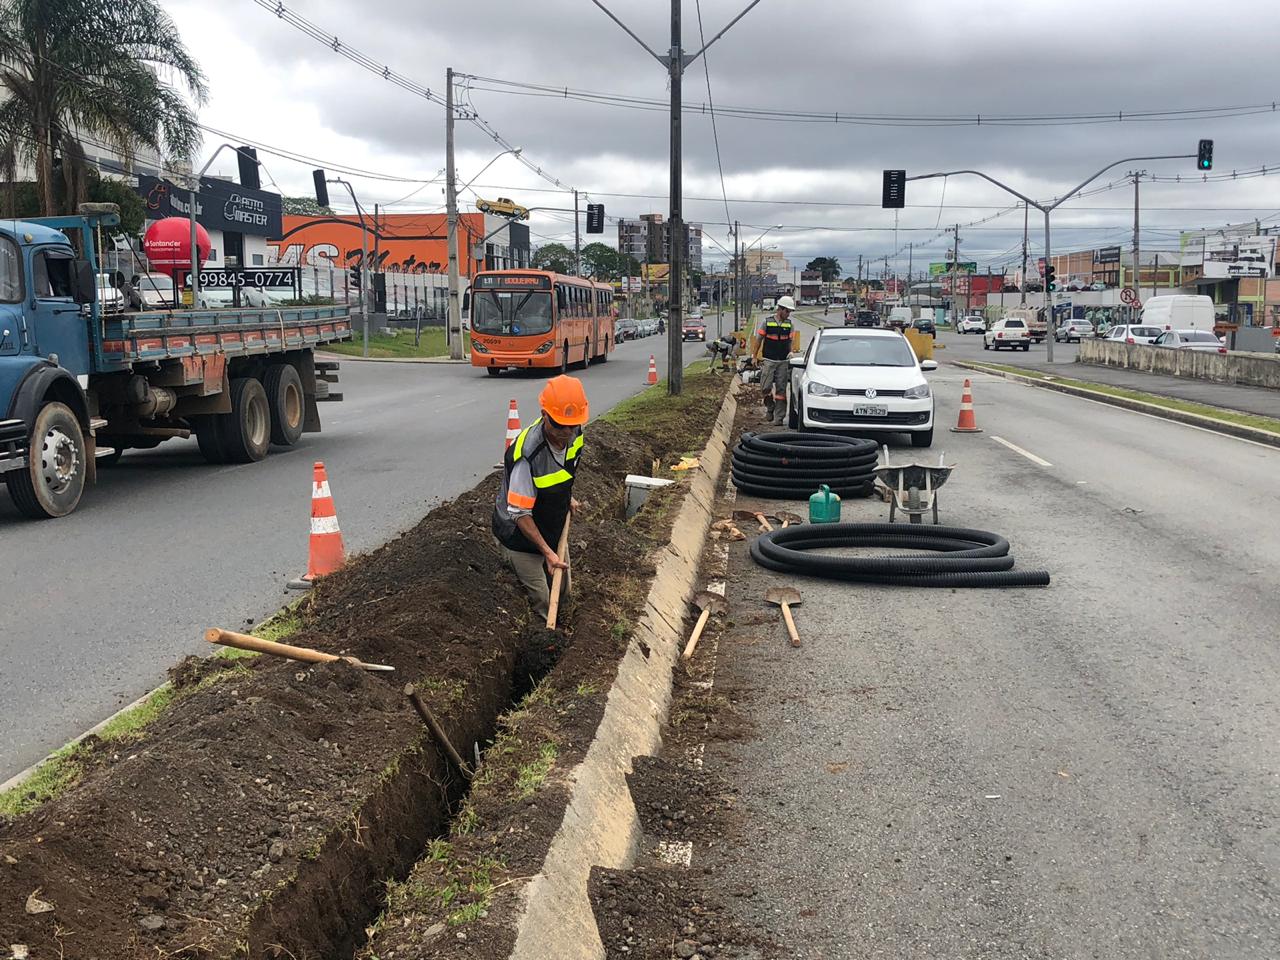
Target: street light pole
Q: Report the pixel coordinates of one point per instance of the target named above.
(454, 332)
(675, 227)
(366, 276)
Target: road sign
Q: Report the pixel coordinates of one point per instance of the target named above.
(893, 194)
(1129, 295)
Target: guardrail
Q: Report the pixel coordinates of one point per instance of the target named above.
(1249, 369)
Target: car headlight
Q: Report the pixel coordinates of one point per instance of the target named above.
(918, 392)
(821, 390)
(544, 347)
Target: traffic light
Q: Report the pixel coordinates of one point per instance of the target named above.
(322, 188)
(1204, 156)
(1050, 278)
(355, 278)
(595, 218)
(247, 158)
(894, 194)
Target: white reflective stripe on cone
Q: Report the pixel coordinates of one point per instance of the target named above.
(324, 525)
(320, 489)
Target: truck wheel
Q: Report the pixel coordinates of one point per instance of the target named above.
(288, 407)
(53, 481)
(209, 437)
(246, 430)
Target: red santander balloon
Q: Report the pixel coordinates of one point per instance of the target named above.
(167, 243)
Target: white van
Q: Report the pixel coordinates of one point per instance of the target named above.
(900, 317)
(1178, 312)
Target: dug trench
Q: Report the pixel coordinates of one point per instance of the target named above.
(276, 809)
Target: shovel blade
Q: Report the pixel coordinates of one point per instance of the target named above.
(781, 595)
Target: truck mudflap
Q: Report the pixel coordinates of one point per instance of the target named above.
(13, 445)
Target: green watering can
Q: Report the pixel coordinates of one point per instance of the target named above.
(824, 506)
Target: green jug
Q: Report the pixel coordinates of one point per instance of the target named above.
(824, 506)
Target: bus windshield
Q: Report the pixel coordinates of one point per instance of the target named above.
(511, 312)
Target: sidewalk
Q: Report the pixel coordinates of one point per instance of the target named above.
(1255, 400)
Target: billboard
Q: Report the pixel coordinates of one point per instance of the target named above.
(1228, 258)
(1107, 255)
(220, 205)
(941, 269)
(401, 242)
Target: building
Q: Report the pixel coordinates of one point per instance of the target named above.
(648, 240)
(766, 260)
(239, 219)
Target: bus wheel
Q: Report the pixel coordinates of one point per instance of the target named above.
(492, 371)
(604, 357)
(586, 356)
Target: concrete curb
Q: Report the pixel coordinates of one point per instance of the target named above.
(347, 358)
(1256, 434)
(600, 825)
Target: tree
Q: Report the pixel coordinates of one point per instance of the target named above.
(555, 257)
(829, 267)
(304, 207)
(23, 200)
(82, 70)
(601, 262)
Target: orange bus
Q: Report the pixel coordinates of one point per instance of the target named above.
(535, 318)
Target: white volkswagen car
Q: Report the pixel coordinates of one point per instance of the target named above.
(862, 381)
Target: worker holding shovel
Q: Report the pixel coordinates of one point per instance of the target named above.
(536, 496)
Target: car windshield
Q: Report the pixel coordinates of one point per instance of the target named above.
(1145, 331)
(1197, 336)
(864, 352)
(511, 312)
(1014, 323)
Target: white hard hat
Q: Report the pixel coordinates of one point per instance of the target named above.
(786, 303)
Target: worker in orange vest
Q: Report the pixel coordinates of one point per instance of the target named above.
(536, 494)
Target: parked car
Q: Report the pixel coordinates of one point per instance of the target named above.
(861, 381)
(1202, 341)
(110, 298)
(625, 329)
(1131, 333)
(1070, 330)
(972, 324)
(693, 328)
(925, 324)
(1097, 285)
(1011, 332)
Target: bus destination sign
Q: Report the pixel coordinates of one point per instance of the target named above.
(488, 281)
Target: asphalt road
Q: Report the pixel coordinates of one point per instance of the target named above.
(99, 604)
(1082, 771)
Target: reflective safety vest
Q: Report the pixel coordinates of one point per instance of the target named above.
(777, 339)
(553, 488)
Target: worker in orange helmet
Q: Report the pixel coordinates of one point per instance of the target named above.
(536, 494)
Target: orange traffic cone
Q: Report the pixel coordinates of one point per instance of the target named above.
(966, 423)
(513, 424)
(326, 552)
(653, 371)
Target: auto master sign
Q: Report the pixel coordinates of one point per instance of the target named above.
(220, 205)
(402, 243)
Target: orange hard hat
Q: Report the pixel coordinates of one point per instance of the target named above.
(564, 401)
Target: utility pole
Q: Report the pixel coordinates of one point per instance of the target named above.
(910, 265)
(857, 295)
(1137, 259)
(1026, 222)
(675, 336)
(451, 205)
(955, 268)
(737, 280)
(577, 239)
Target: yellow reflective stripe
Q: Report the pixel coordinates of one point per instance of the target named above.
(520, 439)
(574, 448)
(552, 479)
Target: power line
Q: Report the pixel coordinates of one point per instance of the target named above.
(715, 135)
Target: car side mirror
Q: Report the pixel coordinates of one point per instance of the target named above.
(928, 365)
(466, 301)
(86, 286)
(796, 362)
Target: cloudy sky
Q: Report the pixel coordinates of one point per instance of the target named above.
(820, 180)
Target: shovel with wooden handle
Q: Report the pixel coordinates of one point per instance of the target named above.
(754, 515)
(243, 641)
(557, 577)
(708, 603)
(786, 598)
(788, 518)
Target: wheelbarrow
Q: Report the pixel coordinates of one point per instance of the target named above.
(913, 487)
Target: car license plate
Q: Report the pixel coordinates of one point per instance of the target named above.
(871, 410)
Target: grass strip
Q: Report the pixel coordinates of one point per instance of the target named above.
(1224, 414)
(64, 767)
(398, 345)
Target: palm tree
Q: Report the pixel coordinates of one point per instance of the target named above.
(85, 71)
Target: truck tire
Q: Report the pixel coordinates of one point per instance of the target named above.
(246, 431)
(288, 405)
(209, 437)
(53, 481)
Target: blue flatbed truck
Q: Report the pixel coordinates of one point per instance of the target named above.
(78, 387)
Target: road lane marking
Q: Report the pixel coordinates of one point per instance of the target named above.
(1026, 453)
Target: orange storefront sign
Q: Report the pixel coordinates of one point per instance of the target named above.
(404, 242)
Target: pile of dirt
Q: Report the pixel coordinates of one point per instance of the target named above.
(461, 900)
(265, 810)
